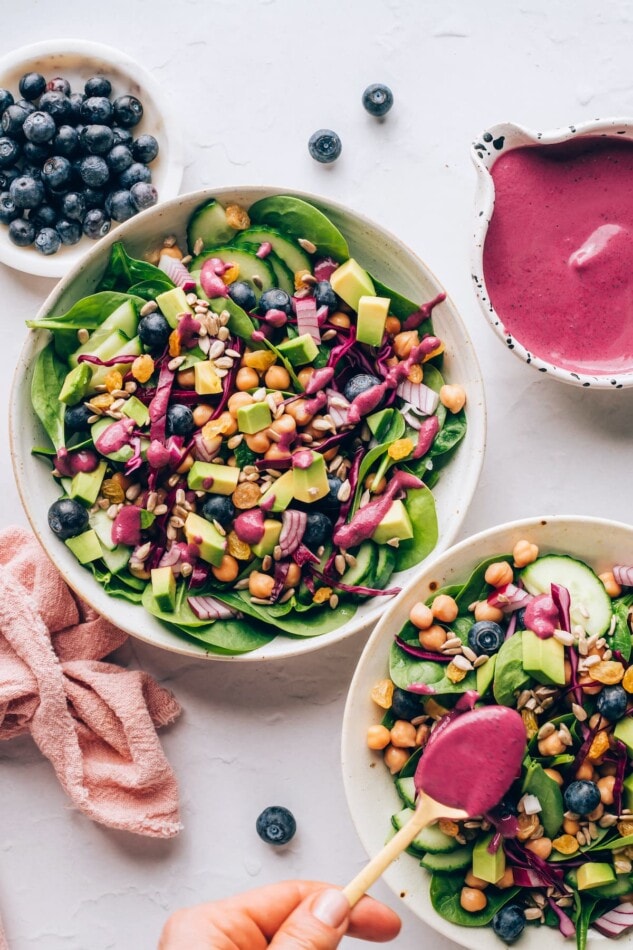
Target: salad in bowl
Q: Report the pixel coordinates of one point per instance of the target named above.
(244, 425)
(536, 617)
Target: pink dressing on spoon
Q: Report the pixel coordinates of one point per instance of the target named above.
(472, 762)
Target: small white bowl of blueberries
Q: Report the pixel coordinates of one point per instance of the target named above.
(86, 142)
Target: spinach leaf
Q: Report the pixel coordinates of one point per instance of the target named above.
(409, 767)
(299, 219)
(150, 289)
(123, 586)
(475, 587)
(405, 669)
(228, 637)
(182, 615)
(49, 374)
(124, 271)
(192, 356)
(420, 505)
(621, 639)
(400, 306)
(445, 892)
(450, 435)
(88, 313)
(510, 676)
(307, 623)
(395, 427)
(536, 782)
(239, 321)
(584, 907)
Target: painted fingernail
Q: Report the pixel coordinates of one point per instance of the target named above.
(331, 908)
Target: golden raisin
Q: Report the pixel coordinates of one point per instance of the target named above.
(114, 380)
(530, 723)
(382, 694)
(450, 828)
(231, 274)
(527, 826)
(599, 745)
(608, 672)
(566, 844)
(237, 548)
(299, 281)
(261, 360)
(400, 449)
(627, 680)
(625, 828)
(113, 491)
(432, 708)
(416, 374)
(237, 217)
(321, 595)
(220, 426)
(436, 352)
(246, 495)
(454, 673)
(103, 401)
(174, 343)
(142, 368)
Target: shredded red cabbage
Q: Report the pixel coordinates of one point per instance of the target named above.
(302, 555)
(338, 352)
(420, 653)
(512, 625)
(521, 857)
(280, 574)
(158, 405)
(565, 925)
(562, 599)
(89, 358)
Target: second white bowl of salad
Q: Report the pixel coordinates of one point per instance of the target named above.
(229, 421)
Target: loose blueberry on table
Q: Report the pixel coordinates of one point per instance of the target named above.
(325, 146)
(276, 825)
(378, 99)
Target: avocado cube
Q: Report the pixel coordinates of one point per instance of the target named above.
(311, 484)
(164, 588)
(624, 732)
(172, 304)
(210, 543)
(395, 524)
(379, 421)
(85, 547)
(543, 659)
(485, 675)
(210, 476)
(300, 350)
(595, 875)
(136, 410)
(254, 417)
(76, 384)
(351, 282)
(489, 867)
(206, 380)
(86, 486)
(280, 494)
(372, 316)
(272, 530)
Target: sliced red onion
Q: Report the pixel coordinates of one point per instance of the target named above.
(420, 653)
(200, 450)
(562, 599)
(208, 608)
(170, 558)
(616, 920)
(293, 525)
(419, 396)
(512, 625)
(337, 406)
(623, 575)
(322, 314)
(307, 322)
(526, 877)
(509, 597)
(263, 250)
(177, 272)
(324, 268)
(565, 925)
(412, 419)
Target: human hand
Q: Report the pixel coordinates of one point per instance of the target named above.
(292, 915)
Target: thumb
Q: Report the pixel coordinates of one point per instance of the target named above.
(318, 923)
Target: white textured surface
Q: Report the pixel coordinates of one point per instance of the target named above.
(253, 80)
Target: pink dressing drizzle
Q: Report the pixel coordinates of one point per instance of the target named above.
(367, 519)
(541, 616)
(249, 526)
(115, 436)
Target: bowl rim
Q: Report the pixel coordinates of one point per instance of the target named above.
(349, 750)
(484, 153)
(304, 644)
(57, 267)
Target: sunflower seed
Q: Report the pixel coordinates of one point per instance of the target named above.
(462, 663)
(480, 661)
(198, 247)
(224, 362)
(307, 246)
(451, 643)
(176, 363)
(469, 654)
(344, 491)
(533, 913)
(241, 585)
(152, 501)
(333, 601)
(523, 698)
(339, 564)
(82, 335)
(186, 569)
(150, 307)
(287, 596)
(591, 661)
(563, 637)
(579, 712)
(547, 729)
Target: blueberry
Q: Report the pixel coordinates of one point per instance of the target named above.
(96, 224)
(7, 175)
(378, 99)
(96, 109)
(66, 142)
(611, 702)
(143, 195)
(119, 158)
(405, 705)
(135, 173)
(331, 499)
(275, 299)
(128, 111)
(93, 197)
(521, 618)
(97, 139)
(509, 923)
(27, 192)
(145, 149)
(57, 172)
(47, 241)
(29, 170)
(276, 825)
(325, 296)
(21, 232)
(94, 171)
(485, 636)
(8, 211)
(318, 530)
(6, 99)
(58, 105)
(120, 205)
(76, 417)
(74, 206)
(69, 231)
(67, 518)
(9, 151)
(34, 153)
(219, 508)
(324, 146)
(98, 86)
(39, 127)
(122, 136)
(154, 332)
(26, 105)
(44, 217)
(180, 421)
(13, 118)
(58, 84)
(32, 85)
(582, 797)
(359, 384)
(243, 295)
(76, 100)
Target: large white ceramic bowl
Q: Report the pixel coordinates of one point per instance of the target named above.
(369, 787)
(77, 61)
(378, 250)
(485, 151)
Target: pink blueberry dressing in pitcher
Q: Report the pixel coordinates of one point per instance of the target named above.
(558, 257)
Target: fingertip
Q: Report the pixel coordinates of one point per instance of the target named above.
(371, 920)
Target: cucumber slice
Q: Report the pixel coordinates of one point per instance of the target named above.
(300, 219)
(430, 839)
(287, 249)
(363, 573)
(404, 786)
(209, 223)
(118, 559)
(102, 525)
(131, 348)
(621, 885)
(247, 261)
(445, 863)
(587, 592)
(385, 566)
(283, 274)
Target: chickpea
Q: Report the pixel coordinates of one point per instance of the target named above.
(260, 585)
(444, 608)
(555, 776)
(186, 464)
(585, 771)
(228, 569)
(227, 422)
(330, 454)
(202, 414)
(186, 379)
(284, 425)
(606, 789)
(524, 553)
(395, 758)
(276, 452)
(472, 899)
(588, 690)
(258, 442)
(597, 813)
(477, 882)
(403, 734)
(498, 574)
(485, 611)
(542, 847)
(404, 342)
(422, 734)
(304, 375)
(609, 769)
(377, 737)
(421, 616)
(246, 378)
(433, 638)
(300, 412)
(453, 397)
(612, 587)
(339, 319)
(237, 400)
(552, 745)
(507, 880)
(311, 430)
(277, 377)
(568, 678)
(571, 826)
(392, 326)
(380, 486)
(293, 576)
